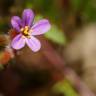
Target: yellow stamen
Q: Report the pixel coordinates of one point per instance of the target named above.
(26, 30)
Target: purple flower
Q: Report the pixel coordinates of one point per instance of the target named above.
(27, 30)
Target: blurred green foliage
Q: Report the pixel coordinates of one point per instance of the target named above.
(86, 7)
(56, 35)
(65, 88)
(76, 4)
(45, 7)
(90, 10)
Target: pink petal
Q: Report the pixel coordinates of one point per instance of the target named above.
(16, 23)
(18, 42)
(40, 27)
(28, 17)
(33, 44)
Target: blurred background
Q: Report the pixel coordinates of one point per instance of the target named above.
(70, 43)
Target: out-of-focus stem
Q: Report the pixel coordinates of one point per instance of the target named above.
(77, 82)
(58, 62)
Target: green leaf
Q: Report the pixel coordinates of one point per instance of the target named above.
(56, 35)
(65, 88)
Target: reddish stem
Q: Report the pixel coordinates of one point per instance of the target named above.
(58, 62)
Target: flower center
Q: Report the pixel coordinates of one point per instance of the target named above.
(25, 31)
